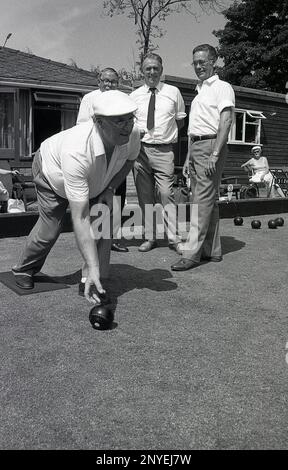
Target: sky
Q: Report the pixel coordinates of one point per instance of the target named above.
(65, 30)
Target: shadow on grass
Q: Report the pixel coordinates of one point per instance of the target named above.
(230, 244)
(70, 279)
(124, 278)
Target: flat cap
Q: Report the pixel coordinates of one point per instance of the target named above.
(113, 103)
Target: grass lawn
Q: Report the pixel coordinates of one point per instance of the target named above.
(196, 359)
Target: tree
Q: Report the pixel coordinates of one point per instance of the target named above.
(147, 15)
(254, 44)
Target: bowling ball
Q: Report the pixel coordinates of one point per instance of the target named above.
(256, 224)
(238, 220)
(101, 317)
(272, 224)
(279, 221)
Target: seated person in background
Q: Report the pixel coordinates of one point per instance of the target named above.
(4, 194)
(259, 167)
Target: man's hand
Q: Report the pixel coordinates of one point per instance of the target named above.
(142, 133)
(185, 169)
(93, 287)
(106, 197)
(211, 165)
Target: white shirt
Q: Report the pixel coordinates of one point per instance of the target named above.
(74, 161)
(85, 110)
(169, 107)
(213, 96)
(259, 165)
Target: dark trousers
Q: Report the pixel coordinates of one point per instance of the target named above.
(121, 191)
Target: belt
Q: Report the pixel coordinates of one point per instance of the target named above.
(194, 138)
(154, 145)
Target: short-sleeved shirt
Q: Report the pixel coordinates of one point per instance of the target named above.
(213, 96)
(74, 161)
(85, 110)
(169, 107)
(259, 165)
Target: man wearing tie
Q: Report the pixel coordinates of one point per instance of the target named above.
(160, 114)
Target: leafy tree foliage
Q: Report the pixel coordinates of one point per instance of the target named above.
(149, 15)
(254, 44)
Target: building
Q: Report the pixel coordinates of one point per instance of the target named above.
(38, 98)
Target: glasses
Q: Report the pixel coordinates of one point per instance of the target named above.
(200, 63)
(109, 82)
(122, 123)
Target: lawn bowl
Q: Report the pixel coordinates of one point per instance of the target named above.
(238, 220)
(256, 224)
(272, 224)
(279, 221)
(101, 317)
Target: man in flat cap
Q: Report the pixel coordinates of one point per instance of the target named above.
(82, 167)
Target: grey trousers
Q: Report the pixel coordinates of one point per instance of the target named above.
(52, 210)
(154, 178)
(204, 237)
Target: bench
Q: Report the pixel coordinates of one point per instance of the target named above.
(280, 176)
(240, 186)
(19, 186)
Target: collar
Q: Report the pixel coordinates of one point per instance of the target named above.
(158, 87)
(209, 81)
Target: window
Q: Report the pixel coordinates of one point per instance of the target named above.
(56, 98)
(246, 127)
(52, 112)
(7, 121)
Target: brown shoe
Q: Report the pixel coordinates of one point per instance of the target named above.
(148, 245)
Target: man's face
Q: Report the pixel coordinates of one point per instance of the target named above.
(108, 81)
(203, 65)
(116, 130)
(152, 71)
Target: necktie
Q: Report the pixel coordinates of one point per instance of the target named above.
(151, 109)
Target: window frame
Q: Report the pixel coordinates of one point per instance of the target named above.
(257, 115)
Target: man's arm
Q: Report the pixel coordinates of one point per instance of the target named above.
(87, 247)
(226, 117)
(185, 169)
